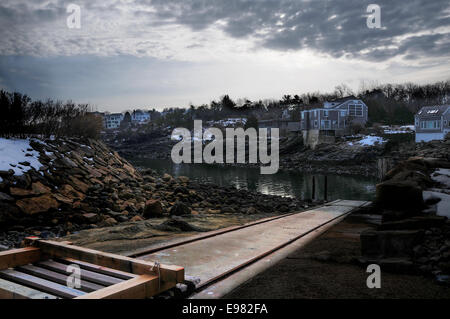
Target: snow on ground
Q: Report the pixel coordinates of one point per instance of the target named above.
(13, 152)
(405, 129)
(368, 141)
(443, 207)
(442, 175)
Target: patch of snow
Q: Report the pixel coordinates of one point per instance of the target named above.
(442, 175)
(13, 151)
(443, 207)
(398, 132)
(368, 141)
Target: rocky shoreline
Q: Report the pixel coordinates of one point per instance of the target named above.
(414, 201)
(82, 184)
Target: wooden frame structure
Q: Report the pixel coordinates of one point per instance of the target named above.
(43, 268)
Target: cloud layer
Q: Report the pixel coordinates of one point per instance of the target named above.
(412, 30)
(172, 52)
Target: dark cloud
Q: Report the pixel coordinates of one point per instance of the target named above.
(337, 27)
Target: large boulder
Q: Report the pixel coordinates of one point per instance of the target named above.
(401, 195)
(153, 208)
(179, 209)
(36, 205)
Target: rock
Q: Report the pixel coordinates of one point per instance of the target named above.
(3, 248)
(40, 189)
(62, 198)
(20, 192)
(167, 178)
(136, 218)
(91, 218)
(181, 189)
(108, 222)
(177, 225)
(79, 185)
(153, 208)
(5, 197)
(401, 195)
(36, 205)
(183, 179)
(69, 192)
(179, 209)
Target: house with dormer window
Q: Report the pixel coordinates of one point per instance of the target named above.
(335, 117)
(432, 123)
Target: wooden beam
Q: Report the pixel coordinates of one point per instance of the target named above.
(40, 284)
(141, 287)
(19, 257)
(11, 290)
(100, 279)
(86, 286)
(100, 269)
(170, 275)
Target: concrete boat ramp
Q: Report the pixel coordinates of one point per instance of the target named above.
(223, 259)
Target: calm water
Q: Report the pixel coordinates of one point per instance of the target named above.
(283, 184)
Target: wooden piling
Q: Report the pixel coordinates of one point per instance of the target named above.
(313, 188)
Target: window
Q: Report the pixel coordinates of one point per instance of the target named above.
(355, 110)
(343, 113)
(303, 115)
(315, 123)
(325, 124)
(325, 113)
(430, 125)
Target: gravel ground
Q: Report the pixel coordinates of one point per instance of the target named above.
(327, 269)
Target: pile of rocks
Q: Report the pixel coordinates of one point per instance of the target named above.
(83, 184)
(338, 158)
(412, 237)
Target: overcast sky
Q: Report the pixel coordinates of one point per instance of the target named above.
(158, 53)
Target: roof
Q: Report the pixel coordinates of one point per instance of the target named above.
(436, 110)
(343, 99)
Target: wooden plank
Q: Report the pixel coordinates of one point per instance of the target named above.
(85, 274)
(86, 286)
(40, 284)
(99, 269)
(19, 257)
(11, 290)
(141, 287)
(170, 275)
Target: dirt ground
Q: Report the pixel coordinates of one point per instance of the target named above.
(327, 268)
(129, 238)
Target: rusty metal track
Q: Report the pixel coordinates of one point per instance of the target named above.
(215, 256)
(214, 233)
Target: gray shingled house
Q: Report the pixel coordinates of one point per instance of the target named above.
(335, 118)
(432, 123)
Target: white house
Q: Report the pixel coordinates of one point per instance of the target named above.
(113, 120)
(432, 123)
(140, 117)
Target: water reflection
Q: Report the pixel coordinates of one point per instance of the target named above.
(283, 184)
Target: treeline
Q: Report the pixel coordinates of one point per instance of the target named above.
(388, 104)
(22, 117)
